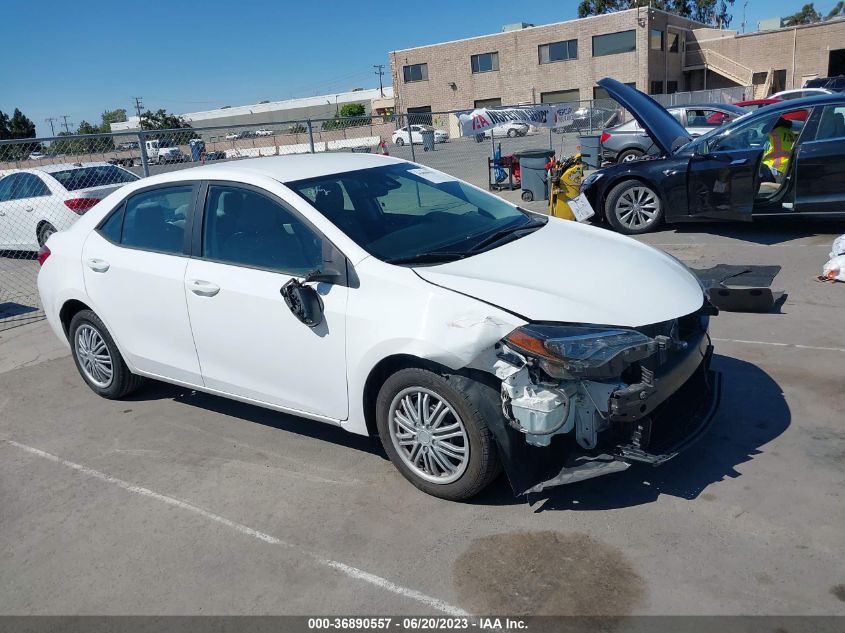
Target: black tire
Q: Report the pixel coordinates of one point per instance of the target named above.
(527, 195)
(400, 141)
(482, 466)
(618, 220)
(123, 382)
(628, 155)
(45, 232)
(512, 133)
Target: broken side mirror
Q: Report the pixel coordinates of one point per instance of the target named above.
(303, 302)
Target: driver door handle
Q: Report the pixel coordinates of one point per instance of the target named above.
(739, 161)
(98, 265)
(203, 288)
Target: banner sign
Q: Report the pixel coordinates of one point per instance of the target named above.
(482, 119)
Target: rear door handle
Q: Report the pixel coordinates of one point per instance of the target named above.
(98, 265)
(203, 288)
(739, 161)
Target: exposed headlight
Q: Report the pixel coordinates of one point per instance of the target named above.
(569, 351)
(589, 180)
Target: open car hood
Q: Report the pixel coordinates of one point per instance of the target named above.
(661, 126)
(570, 272)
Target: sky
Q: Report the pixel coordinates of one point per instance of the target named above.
(79, 58)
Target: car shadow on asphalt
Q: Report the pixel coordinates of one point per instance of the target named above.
(154, 390)
(752, 412)
(766, 231)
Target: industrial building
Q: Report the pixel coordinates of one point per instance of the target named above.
(655, 51)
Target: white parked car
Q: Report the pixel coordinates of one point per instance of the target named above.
(264, 132)
(800, 93)
(233, 136)
(37, 202)
(401, 136)
(510, 130)
(386, 298)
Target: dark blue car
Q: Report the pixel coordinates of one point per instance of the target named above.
(721, 175)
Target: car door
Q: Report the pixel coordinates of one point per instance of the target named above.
(249, 343)
(8, 212)
(134, 269)
(724, 172)
(820, 165)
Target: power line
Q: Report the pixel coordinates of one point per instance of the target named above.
(380, 72)
(65, 117)
(50, 120)
(138, 106)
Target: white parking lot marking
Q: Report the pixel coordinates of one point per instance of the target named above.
(348, 570)
(774, 344)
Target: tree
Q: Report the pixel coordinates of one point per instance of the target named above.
(161, 120)
(352, 110)
(838, 11)
(713, 12)
(20, 126)
(807, 15)
(5, 132)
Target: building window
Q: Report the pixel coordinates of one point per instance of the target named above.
(415, 72)
(673, 42)
(601, 93)
(655, 40)
(488, 103)
(560, 96)
(656, 88)
(614, 43)
(671, 87)
(558, 51)
(485, 63)
(420, 115)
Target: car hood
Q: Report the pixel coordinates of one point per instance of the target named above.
(661, 126)
(570, 272)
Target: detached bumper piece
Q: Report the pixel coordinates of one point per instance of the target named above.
(740, 288)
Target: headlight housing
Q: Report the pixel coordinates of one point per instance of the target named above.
(590, 180)
(581, 351)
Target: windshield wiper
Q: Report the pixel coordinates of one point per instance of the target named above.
(508, 231)
(428, 258)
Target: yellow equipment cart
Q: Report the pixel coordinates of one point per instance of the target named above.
(565, 179)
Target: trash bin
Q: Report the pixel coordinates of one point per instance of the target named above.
(591, 150)
(428, 140)
(197, 148)
(532, 168)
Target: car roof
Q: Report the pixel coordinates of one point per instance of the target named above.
(54, 167)
(281, 168)
(817, 100)
(698, 106)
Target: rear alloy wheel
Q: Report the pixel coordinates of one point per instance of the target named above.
(98, 359)
(512, 133)
(44, 233)
(632, 208)
(435, 434)
(400, 141)
(629, 155)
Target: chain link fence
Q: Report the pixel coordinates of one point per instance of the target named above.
(47, 184)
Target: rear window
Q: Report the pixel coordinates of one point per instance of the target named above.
(99, 176)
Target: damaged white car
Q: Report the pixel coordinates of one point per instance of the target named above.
(391, 299)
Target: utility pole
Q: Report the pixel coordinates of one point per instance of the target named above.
(50, 120)
(138, 106)
(65, 117)
(379, 71)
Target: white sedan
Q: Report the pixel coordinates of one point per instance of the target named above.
(37, 202)
(511, 130)
(402, 137)
(264, 132)
(392, 300)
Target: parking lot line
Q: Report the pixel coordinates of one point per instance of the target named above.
(775, 344)
(348, 570)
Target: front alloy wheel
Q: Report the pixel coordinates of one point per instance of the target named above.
(432, 428)
(95, 360)
(633, 207)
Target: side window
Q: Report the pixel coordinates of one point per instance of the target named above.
(705, 118)
(250, 229)
(112, 227)
(832, 123)
(7, 185)
(30, 186)
(755, 133)
(155, 220)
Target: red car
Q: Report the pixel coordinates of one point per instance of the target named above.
(755, 104)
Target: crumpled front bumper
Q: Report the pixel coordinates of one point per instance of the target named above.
(650, 424)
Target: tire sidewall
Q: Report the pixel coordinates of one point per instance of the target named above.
(44, 233)
(120, 372)
(610, 208)
(629, 152)
(476, 430)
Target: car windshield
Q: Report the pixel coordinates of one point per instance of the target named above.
(700, 141)
(98, 176)
(404, 213)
